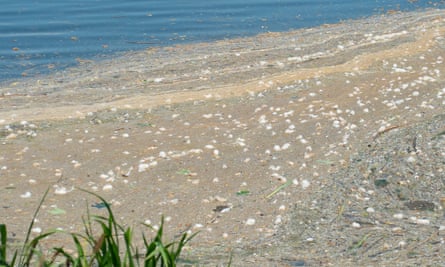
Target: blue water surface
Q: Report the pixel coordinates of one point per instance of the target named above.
(37, 37)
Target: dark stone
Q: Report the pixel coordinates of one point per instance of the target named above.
(379, 183)
(420, 205)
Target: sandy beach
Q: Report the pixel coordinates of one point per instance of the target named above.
(243, 140)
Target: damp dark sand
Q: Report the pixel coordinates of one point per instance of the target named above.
(342, 117)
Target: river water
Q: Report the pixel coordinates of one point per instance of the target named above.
(37, 37)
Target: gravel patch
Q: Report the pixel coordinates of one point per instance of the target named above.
(386, 207)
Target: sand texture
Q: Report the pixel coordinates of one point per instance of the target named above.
(319, 147)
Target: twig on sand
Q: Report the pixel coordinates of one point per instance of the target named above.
(379, 133)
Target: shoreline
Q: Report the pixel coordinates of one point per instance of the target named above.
(249, 64)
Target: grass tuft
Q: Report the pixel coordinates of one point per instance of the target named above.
(112, 246)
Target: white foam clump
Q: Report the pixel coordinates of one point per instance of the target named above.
(305, 184)
(411, 159)
(194, 151)
(163, 154)
(274, 168)
(36, 230)
(302, 140)
(285, 146)
(336, 124)
(385, 37)
(278, 220)
(262, 119)
(240, 142)
(107, 187)
(398, 216)
(250, 221)
(420, 221)
(26, 195)
(144, 166)
(61, 190)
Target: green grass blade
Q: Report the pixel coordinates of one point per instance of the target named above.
(69, 260)
(112, 246)
(278, 189)
(28, 233)
(165, 255)
(3, 243)
(112, 220)
(128, 235)
(184, 240)
(106, 250)
(31, 248)
(149, 248)
(14, 258)
(79, 249)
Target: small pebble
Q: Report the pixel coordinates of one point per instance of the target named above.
(423, 221)
(397, 229)
(398, 216)
(220, 199)
(411, 159)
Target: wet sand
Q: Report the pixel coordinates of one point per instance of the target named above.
(190, 131)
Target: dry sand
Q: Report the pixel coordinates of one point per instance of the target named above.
(253, 142)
